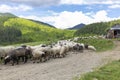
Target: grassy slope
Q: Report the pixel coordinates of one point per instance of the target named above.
(110, 71)
(36, 31)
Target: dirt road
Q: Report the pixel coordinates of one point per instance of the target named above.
(60, 69)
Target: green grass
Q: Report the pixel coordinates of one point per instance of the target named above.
(110, 71)
(100, 44)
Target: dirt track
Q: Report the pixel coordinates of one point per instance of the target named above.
(59, 69)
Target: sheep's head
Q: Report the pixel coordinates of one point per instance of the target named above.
(7, 59)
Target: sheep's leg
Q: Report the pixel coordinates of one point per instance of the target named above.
(31, 57)
(54, 56)
(34, 59)
(38, 60)
(17, 61)
(22, 58)
(43, 59)
(47, 57)
(64, 55)
(13, 61)
(26, 57)
(19, 58)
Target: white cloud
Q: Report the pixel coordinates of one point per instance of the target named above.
(101, 16)
(34, 2)
(7, 8)
(72, 1)
(30, 17)
(79, 2)
(67, 19)
(115, 6)
(56, 2)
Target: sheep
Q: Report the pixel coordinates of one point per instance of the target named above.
(15, 55)
(37, 46)
(5, 50)
(38, 55)
(55, 51)
(90, 47)
(47, 51)
(63, 51)
(29, 52)
(76, 39)
(78, 47)
(60, 49)
(43, 48)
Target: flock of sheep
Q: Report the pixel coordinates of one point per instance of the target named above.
(40, 53)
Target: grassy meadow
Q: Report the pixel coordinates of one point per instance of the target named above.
(110, 71)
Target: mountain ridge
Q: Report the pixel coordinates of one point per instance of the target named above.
(77, 26)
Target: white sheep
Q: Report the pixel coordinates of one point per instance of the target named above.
(62, 52)
(55, 51)
(47, 51)
(5, 50)
(38, 55)
(90, 47)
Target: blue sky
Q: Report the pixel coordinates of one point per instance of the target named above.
(64, 13)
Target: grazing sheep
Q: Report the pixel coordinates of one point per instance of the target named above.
(91, 48)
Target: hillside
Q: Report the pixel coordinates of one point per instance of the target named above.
(7, 15)
(19, 30)
(39, 22)
(97, 28)
(77, 26)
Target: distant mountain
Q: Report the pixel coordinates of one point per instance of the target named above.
(77, 26)
(7, 15)
(39, 22)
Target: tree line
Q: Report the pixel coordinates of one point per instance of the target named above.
(9, 34)
(97, 28)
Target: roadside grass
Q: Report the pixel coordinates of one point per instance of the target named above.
(109, 71)
(99, 44)
(36, 43)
